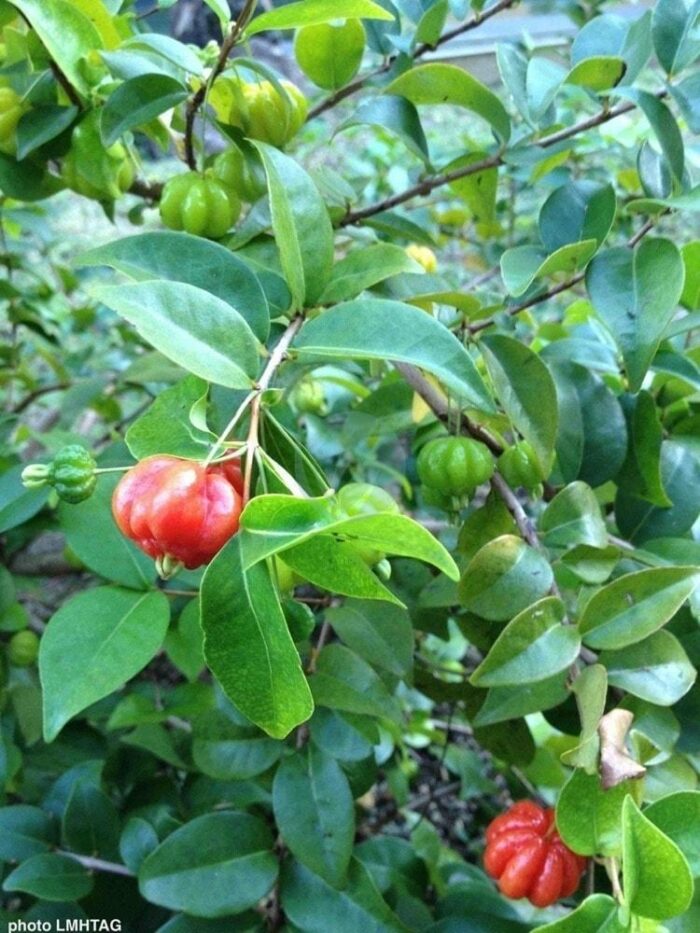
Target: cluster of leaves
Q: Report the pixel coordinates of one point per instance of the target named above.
(531, 641)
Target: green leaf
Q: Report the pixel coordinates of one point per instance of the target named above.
(597, 74)
(674, 32)
(116, 559)
(394, 115)
(273, 523)
(657, 880)
(597, 914)
(580, 210)
(138, 101)
(193, 260)
(24, 832)
(656, 669)
(690, 298)
(383, 636)
(636, 293)
(301, 225)
(40, 125)
(504, 577)
(641, 473)
(374, 329)
(345, 682)
(137, 841)
(478, 190)
(228, 752)
(217, 864)
(526, 390)
(18, 504)
(678, 817)
(345, 736)
(248, 647)
(437, 83)
(67, 33)
(90, 821)
(632, 607)
(221, 10)
(50, 877)
(535, 645)
(504, 703)
(191, 327)
(590, 689)
(312, 12)
(663, 124)
(315, 907)
(572, 518)
(166, 427)
(363, 268)
(315, 813)
(522, 265)
(110, 632)
(588, 817)
(184, 644)
(640, 520)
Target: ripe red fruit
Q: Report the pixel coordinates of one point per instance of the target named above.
(177, 511)
(525, 853)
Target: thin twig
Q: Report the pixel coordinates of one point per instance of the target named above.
(97, 864)
(357, 85)
(277, 357)
(200, 95)
(36, 394)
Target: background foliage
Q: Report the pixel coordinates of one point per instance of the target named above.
(291, 739)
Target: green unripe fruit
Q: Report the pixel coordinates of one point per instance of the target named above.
(92, 170)
(455, 466)
(11, 109)
(72, 474)
(259, 109)
(518, 465)
(308, 397)
(23, 649)
(365, 499)
(243, 175)
(200, 205)
(329, 55)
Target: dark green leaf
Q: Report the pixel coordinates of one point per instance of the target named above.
(138, 101)
(50, 877)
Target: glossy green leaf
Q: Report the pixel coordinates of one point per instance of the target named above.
(343, 681)
(311, 12)
(522, 265)
(273, 523)
(137, 102)
(315, 907)
(678, 817)
(370, 328)
(657, 880)
(18, 504)
(504, 577)
(50, 877)
(213, 866)
(663, 124)
(526, 391)
(363, 268)
(68, 34)
(636, 292)
(590, 689)
(632, 607)
(40, 125)
(656, 669)
(191, 327)
(179, 257)
(25, 831)
(228, 752)
(674, 31)
(597, 74)
(383, 636)
(315, 813)
(247, 644)
(478, 190)
(301, 226)
(690, 298)
(573, 518)
(437, 83)
(166, 427)
(578, 211)
(504, 703)
(90, 822)
(111, 632)
(611, 35)
(588, 817)
(597, 914)
(394, 115)
(184, 643)
(641, 473)
(221, 10)
(535, 645)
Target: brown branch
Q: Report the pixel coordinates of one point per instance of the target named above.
(151, 191)
(198, 98)
(426, 185)
(37, 393)
(357, 85)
